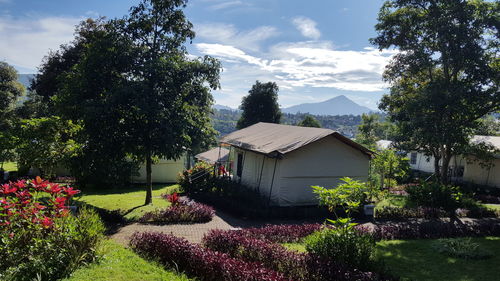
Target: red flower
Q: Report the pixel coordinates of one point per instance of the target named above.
(70, 191)
(174, 198)
(60, 201)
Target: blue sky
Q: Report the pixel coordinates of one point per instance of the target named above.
(314, 50)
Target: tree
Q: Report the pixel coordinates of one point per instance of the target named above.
(488, 126)
(46, 143)
(260, 105)
(367, 130)
(10, 90)
(309, 121)
(389, 166)
(445, 76)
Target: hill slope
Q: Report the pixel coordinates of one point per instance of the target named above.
(340, 105)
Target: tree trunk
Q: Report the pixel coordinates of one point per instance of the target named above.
(149, 181)
(437, 171)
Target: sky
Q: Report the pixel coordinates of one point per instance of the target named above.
(314, 50)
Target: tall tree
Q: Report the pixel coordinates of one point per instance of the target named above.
(367, 130)
(446, 74)
(171, 99)
(309, 121)
(10, 90)
(260, 105)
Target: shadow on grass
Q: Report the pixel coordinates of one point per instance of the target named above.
(417, 260)
(120, 190)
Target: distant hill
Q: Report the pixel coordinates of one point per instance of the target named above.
(25, 79)
(340, 105)
(220, 106)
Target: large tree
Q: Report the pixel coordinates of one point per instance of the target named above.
(445, 75)
(309, 121)
(10, 90)
(260, 105)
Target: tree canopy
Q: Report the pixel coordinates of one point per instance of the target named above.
(445, 75)
(260, 105)
(309, 121)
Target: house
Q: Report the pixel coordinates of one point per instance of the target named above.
(214, 155)
(282, 162)
(463, 168)
(164, 171)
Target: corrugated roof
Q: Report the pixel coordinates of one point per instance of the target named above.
(214, 155)
(269, 138)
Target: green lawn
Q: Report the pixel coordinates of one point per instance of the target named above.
(493, 206)
(417, 260)
(392, 200)
(119, 263)
(129, 201)
(9, 166)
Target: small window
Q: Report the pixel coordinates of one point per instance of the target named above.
(413, 158)
(239, 165)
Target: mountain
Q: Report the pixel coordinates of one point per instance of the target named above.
(340, 105)
(25, 79)
(220, 106)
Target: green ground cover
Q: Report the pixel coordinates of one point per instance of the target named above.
(418, 260)
(129, 201)
(119, 263)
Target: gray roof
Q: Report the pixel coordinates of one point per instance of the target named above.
(273, 139)
(214, 155)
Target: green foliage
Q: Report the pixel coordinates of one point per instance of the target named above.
(463, 248)
(194, 179)
(260, 105)
(348, 195)
(389, 167)
(436, 195)
(367, 130)
(309, 121)
(343, 244)
(446, 76)
(51, 255)
(46, 143)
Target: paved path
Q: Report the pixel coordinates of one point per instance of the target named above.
(195, 232)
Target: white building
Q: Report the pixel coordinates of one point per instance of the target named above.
(282, 162)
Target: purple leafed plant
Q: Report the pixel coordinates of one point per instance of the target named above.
(197, 261)
(184, 211)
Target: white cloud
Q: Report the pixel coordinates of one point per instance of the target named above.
(227, 34)
(26, 41)
(225, 5)
(307, 27)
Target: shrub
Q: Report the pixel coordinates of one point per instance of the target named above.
(389, 212)
(436, 195)
(38, 237)
(461, 248)
(430, 230)
(194, 179)
(182, 211)
(343, 244)
(296, 266)
(202, 263)
(281, 233)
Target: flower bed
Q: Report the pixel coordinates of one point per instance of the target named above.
(197, 261)
(281, 233)
(296, 266)
(400, 213)
(180, 211)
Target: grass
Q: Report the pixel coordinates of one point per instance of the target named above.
(9, 166)
(129, 201)
(493, 207)
(418, 260)
(119, 263)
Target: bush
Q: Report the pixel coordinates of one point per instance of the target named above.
(281, 233)
(296, 266)
(389, 212)
(196, 261)
(195, 179)
(38, 237)
(430, 230)
(343, 244)
(182, 212)
(461, 248)
(435, 195)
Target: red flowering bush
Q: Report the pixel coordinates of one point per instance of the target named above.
(197, 261)
(38, 236)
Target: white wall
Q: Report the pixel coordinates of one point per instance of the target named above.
(165, 171)
(426, 163)
(476, 174)
(321, 163)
